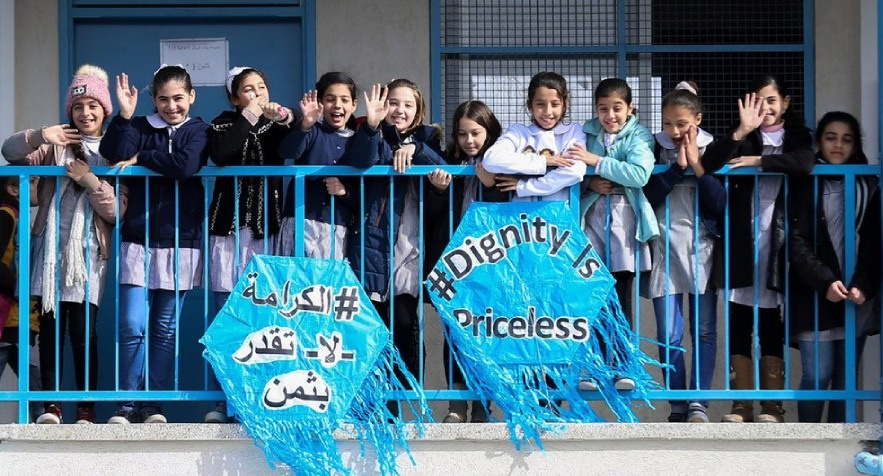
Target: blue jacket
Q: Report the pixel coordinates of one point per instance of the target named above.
(628, 162)
(177, 159)
(321, 145)
(712, 197)
(373, 148)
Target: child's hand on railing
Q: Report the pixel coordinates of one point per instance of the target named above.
(601, 185)
(440, 179)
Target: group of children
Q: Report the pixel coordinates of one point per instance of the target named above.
(665, 229)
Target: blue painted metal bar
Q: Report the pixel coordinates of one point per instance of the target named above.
(849, 252)
(435, 61)
(24, 282)
(166, 12)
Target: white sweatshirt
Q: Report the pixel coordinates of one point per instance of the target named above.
(523, 149)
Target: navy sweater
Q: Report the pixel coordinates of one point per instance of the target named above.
(189, 152)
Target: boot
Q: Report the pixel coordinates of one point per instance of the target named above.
(741, 378)
(456, 408)
(772, 377)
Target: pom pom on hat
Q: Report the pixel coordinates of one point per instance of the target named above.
(89, 82)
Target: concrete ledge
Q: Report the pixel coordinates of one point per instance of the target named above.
(757, 432)
(639, 449)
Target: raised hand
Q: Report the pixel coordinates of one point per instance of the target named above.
(750, 115)
(440, 179)
(311, 108)
(376, 105)
(691, 150)
(274, 111)
(62, 134)
(127, 96)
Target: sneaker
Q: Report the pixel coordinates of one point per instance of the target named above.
(587, 385)
(51, 416)
(624, 383)
(124, 417)
(698, 413)
(85, 415)
(218, 415)
(154, 416)
(454, 417)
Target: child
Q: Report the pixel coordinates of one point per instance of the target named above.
(618, 218)
(770, 135)
(61, 221)
(682, 256)
(9, 311)
(393, 133)
(173, 144)
(817, 252)
(325, 142)
(538, 148)
(249, 135)
(474, 129)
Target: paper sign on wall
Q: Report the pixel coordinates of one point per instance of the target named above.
(206, 59)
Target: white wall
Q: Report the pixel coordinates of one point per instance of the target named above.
(374, 42)
(36, 63)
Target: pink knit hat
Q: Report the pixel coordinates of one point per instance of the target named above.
(89, 82)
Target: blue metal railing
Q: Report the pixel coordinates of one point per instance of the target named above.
(112, 393)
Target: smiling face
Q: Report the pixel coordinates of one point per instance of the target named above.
(402, 108)
(339, 105)
(470, 136)
(173, 101)
(676, 121)
(837, 143)
(774, 105)
(547, 107)
(87, 116)
(250, 88)
(613, 112)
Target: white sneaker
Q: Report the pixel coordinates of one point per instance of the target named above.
(155, 418)
(454, 417)
(587, 385)
(624, 383)
(52, 416)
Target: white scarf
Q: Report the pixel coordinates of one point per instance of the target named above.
(74, 250)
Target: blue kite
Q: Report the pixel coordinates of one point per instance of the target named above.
(529, 310)
(299, 350)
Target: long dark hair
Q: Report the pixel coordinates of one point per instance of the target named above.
(858, 156)
(484, 117)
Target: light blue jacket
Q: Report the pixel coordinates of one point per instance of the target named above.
(628, 162)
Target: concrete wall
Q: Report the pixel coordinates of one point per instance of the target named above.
(390, 45)
(451, 449)
(36, 63)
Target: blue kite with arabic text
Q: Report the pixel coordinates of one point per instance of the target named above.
(299, 350)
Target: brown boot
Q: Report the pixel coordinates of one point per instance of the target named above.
(772, 377)
(741, 372)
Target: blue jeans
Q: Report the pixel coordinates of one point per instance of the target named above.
(134, 323)
(832, 373)
(670, 330)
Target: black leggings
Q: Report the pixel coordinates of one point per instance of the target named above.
(71, 321)
(405, 330)
(625, 289)
(771, 330)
